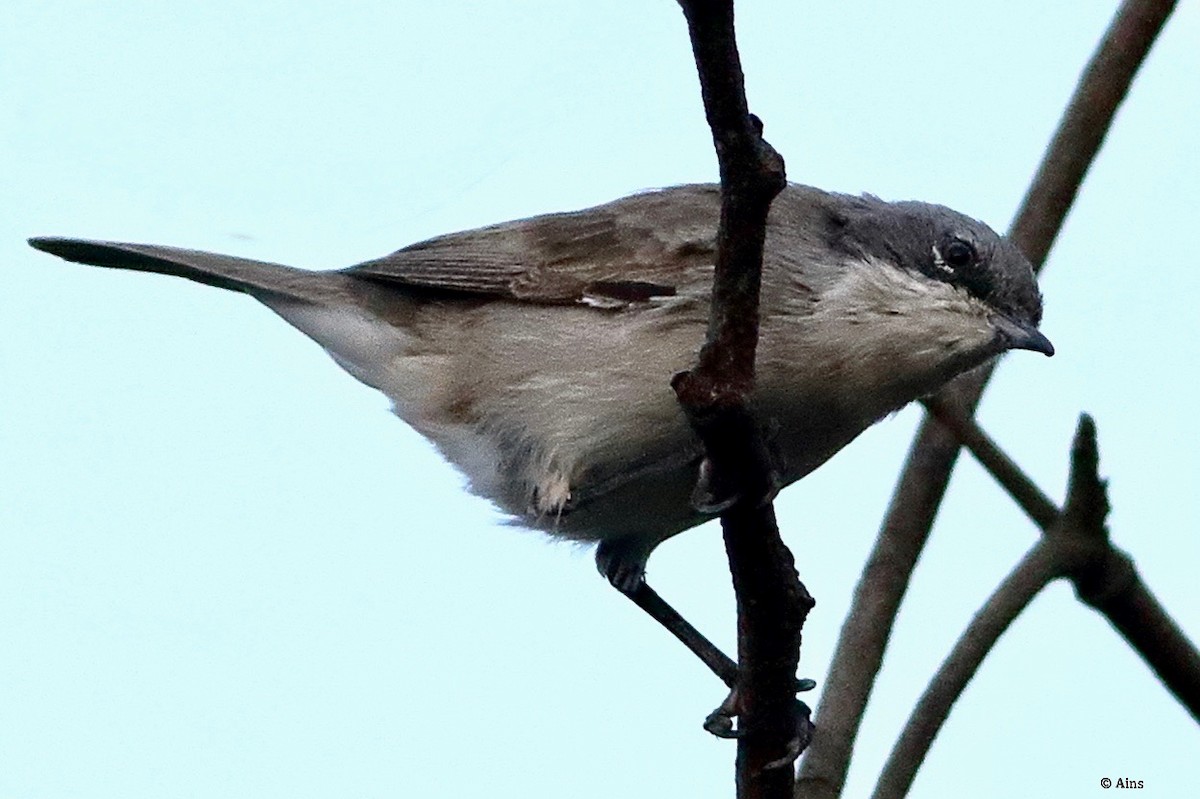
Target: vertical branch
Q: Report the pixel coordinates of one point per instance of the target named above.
(715, 395)
(752, 174)
(922, 484)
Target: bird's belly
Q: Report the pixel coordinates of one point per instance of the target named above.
(652, 497)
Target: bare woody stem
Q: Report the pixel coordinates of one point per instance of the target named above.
(922, 484)
(1035, 571)
(772, 603)
(1075, 545)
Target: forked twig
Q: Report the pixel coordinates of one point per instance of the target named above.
(1076, 545)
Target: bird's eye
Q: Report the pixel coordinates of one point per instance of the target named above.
(959, 253)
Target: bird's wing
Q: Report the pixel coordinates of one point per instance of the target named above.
(632, 250)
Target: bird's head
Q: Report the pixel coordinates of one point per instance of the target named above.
(943, 248)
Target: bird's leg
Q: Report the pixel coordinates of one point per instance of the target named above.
(623, 562)
(717, 661)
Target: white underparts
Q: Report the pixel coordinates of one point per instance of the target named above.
(563, 416)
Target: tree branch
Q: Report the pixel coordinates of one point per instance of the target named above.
(1105, 579)
(1050, 558)
(922, 484)
(1076, 545)
(1019, 485)
(1035, 571)
(771, 601)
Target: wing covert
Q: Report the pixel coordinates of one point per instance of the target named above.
(625, 252)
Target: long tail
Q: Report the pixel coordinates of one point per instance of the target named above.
(258, 278)
(356, 321)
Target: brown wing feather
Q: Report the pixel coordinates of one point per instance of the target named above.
(627, 251)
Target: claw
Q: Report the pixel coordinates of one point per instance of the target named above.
(720, 721)
(709, 496)
(716, 492)
(720, 724)
(802, 733)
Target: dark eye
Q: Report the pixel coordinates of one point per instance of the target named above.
(958, 254)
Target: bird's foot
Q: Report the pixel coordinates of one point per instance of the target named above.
(721, 724)
(718, 489)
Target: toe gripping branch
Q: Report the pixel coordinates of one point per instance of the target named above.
(747, 466)
(720, 722)
(738, 479)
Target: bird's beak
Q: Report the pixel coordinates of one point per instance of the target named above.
(1020, 335)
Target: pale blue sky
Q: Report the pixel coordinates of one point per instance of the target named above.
(227, 571)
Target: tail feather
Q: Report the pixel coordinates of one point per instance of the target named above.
(360, 323)
(257, 278)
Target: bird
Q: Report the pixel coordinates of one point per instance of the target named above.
(537, 355)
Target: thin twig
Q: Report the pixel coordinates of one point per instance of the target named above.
(1076, 545)
(1106, 579)
(1019, 485)
(1035, 571)
(921, 486)
(1055, 555)
(771, 601)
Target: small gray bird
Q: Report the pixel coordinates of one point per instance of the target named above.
(537, 355)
